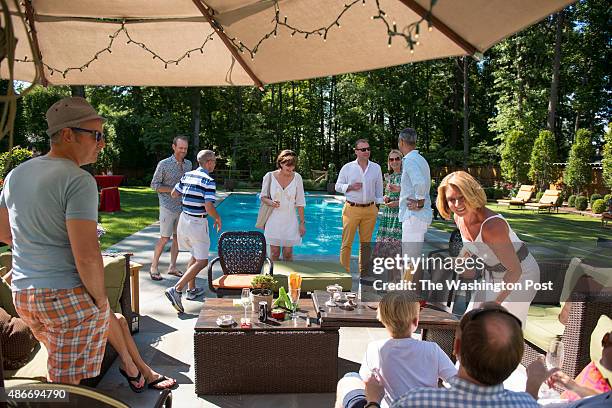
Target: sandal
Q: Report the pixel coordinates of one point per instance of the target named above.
(155, 275)
(134, 379)
(161, 379)
(176, 272)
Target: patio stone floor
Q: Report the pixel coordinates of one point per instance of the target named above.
(165, 339)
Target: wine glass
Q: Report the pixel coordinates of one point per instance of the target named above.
(294, 296)
(554, 359)
(331, 289)
(245, 299)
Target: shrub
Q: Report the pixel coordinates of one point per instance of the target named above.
(310, 184)
(607, 157)
(581, 203)
(542, 171)
(17, 156)
(539, 195)
(515, 154)
(571, 201)
(493, 193)
(599, 206)
(595, 197)
(578, 171)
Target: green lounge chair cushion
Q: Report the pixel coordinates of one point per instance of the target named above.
(542, 325)
(315, 274)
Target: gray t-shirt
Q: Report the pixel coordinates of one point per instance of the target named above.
(40, 195)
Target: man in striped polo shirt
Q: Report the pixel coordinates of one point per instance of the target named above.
(197, 191)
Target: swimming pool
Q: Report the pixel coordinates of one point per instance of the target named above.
(323, 224)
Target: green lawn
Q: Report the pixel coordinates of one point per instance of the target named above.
(139, 209)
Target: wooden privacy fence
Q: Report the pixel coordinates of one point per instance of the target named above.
(486, 175)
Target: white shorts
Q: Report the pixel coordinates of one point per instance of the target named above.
(192, 235)
(168, 222)
(413, 235)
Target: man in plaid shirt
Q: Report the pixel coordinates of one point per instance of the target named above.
(489, 347)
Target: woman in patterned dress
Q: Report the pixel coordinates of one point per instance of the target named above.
(389, 236)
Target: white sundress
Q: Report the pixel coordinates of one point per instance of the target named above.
(282, 227)
(517, 302)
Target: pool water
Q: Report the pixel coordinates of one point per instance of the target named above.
(323, 215)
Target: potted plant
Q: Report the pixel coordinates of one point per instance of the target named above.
(263, 289)
(331, 178)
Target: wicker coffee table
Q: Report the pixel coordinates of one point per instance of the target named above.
(285, 358)
(436, 325)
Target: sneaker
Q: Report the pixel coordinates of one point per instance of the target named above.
(174, 296)
(194, 293)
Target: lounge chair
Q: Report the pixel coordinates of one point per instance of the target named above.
(241, 254)
(547, 202)
(523, 196)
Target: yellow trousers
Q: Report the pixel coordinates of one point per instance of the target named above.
(362, 219)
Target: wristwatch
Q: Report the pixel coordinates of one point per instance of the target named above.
(372, 404)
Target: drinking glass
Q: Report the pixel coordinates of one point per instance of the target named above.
(331, 289)
(294, 296)
(554, 359)
(245, 299)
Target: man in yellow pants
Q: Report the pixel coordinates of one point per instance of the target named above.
(362, 184)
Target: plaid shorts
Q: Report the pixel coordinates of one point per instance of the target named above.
(71, 327)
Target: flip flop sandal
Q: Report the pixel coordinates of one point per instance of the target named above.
(161, 379)
(135, 379)
(155, 275)
(176, 272)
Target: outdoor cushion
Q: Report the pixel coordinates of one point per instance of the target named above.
(604, 325)
(17, 339)
(114, 275)
(542, 325)
(315, 274)
(234, 281)
(36, 367)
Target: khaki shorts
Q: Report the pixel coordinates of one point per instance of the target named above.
(168, 222)
(192, 235)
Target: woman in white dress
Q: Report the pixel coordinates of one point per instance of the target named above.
(488, 236)
(286, 193)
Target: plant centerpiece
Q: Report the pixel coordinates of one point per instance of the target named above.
(263, 289)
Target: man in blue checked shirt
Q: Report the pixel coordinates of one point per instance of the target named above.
(197, 191)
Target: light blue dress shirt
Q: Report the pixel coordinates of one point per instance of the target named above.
(416, 182)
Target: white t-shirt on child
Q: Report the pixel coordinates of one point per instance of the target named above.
(405, 364)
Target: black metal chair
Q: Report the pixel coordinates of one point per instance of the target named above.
(241, 255)
(455, 243)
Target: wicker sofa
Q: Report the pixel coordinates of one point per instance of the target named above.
(116, 276)
(543, 325)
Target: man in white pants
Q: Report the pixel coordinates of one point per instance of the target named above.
(197, 191)
(414, 203)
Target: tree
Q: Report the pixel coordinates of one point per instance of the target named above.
(607, 158)
(515, 153)
(578, 171)
(544, 153)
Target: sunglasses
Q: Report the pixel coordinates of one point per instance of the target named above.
(395, 159)
(363, 149)
(474, 314)
(98, 135)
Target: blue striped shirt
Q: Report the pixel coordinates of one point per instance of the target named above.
(465, 394)
(196, 187)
